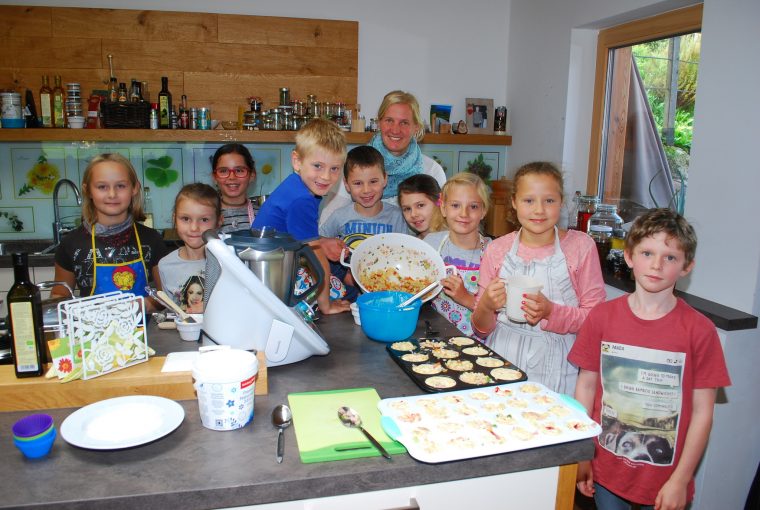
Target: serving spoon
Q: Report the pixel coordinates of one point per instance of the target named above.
(352, 420)
(163, 298)
(282, 417)
(418, 295)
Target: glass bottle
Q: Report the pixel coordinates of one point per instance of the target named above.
(123, 95)
(184, 115)
(46, 102)
(572, 217)
(145, 91)
(25, 321)
(586, 209)
(113, 90)
(59, 119)
(148, 208)
(164, 105)
(134, 92)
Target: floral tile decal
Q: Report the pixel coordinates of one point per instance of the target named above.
(16, 219)
(35, 171)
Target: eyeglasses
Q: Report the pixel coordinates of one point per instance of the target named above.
(239, 171)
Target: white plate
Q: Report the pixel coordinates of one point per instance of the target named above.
(122, 422)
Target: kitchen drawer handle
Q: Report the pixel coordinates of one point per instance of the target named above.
(413, 505)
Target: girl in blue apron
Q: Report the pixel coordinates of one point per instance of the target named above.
(110, 251)
(567, 266)
(464, 204)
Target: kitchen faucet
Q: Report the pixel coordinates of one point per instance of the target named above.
(58, 228)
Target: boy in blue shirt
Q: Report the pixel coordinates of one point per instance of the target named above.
(367, 214)
(294, 206)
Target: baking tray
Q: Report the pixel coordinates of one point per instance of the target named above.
(445, 357)
(484, 421)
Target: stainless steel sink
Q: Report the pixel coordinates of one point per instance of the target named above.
(30, 246)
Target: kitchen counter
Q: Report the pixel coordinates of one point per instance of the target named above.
(194, 467)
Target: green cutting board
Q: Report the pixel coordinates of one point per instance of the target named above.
(322, 437)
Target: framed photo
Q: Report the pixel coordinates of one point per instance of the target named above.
(439, 114)
(479, 115)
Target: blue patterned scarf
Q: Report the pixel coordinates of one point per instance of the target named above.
(398, 168)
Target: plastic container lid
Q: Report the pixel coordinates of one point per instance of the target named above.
(225, 366)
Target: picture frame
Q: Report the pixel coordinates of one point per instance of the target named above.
(479, 115)
(439, 114)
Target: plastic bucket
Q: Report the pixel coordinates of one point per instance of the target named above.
(224, 381)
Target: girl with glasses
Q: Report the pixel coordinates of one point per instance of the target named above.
(233, 171)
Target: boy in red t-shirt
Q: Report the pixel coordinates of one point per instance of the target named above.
(650, 365)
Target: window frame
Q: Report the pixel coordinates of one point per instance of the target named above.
(669, 24)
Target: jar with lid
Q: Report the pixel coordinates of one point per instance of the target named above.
(602, 236)
(606, 214)
(586, 209)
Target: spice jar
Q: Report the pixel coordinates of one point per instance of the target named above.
(586, 209)
(618, 239)
(602, 236)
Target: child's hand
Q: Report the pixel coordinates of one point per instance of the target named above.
(495, 296)
(536, 307)
(335, 306)
(672, 496)
(332, 247)
(585, 479)
(453, 286)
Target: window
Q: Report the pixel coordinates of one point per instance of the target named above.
(643, 105)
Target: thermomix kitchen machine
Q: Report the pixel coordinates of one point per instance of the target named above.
(249, 298)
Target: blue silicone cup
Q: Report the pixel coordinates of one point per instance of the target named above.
(382, 320)
(32, 426)
(36, 448)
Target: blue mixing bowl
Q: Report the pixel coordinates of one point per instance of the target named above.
(382, 320)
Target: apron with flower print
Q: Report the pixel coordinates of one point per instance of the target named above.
(455, 313)
(130, 276)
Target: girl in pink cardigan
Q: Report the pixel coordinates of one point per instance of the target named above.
(567, 264)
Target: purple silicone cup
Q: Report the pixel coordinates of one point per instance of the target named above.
(32, 425)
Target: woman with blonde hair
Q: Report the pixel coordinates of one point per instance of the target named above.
(401, 128)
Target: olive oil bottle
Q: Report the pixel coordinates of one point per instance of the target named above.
(46, 102)
(164, 105)
(59, 97)
(25, 321)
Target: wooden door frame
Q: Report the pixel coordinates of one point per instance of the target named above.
(669, 24)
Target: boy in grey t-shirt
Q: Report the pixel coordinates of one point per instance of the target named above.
(364, 179)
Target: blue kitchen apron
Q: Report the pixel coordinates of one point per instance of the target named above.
(131, 276)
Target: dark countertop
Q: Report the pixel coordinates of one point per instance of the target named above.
(195, 468)
(724, 317)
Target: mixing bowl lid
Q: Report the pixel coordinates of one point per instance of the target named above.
(262, 240)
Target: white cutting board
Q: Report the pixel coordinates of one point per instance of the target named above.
(474, 423)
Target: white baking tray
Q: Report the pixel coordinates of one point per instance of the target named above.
(484, 421)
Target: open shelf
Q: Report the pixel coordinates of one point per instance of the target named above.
(216, 135)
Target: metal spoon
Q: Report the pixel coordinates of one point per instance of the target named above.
(351, 419)
(282, 417)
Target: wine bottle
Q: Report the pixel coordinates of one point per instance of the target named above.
(46, 102)
(25, 321)
(164, 105)
(59, 120)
